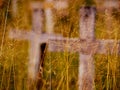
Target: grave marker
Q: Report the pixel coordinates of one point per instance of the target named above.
(86, 46)
(33, 37)
(37, 38)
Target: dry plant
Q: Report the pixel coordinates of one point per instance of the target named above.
(60, 69)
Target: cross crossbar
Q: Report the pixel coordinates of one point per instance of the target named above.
(78, 45)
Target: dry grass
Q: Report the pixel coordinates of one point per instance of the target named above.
(60, 69)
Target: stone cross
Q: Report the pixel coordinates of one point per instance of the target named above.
(33, 37)
(36, 37)
(87, 45)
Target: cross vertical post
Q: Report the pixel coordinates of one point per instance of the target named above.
(37, 17)
(86, 68)
(35, 52)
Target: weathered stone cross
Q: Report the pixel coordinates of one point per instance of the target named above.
(36, 37)
(87, 45)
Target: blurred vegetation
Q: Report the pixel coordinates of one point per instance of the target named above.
(60, 69)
